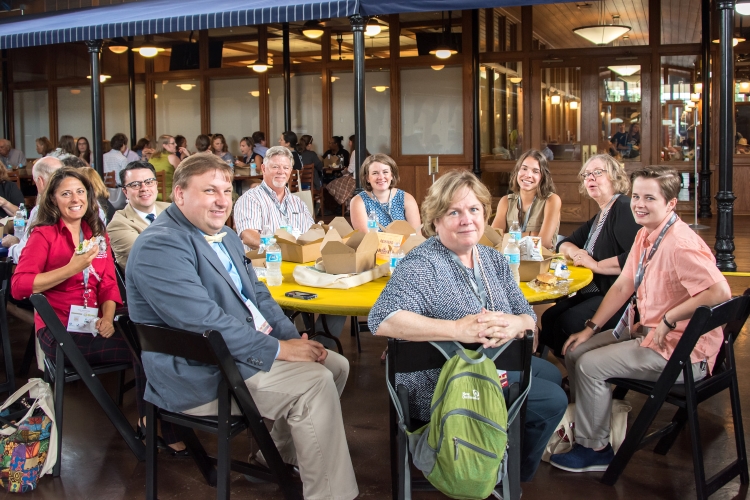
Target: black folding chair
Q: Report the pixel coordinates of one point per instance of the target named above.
(80, 369)
(408, 357)
(210, 349)
(687, 396)
(9, 385)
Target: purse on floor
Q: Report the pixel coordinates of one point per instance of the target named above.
(28, 437)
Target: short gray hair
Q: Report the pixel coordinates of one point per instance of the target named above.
(278, 151)
(45, 167)
(5, 141)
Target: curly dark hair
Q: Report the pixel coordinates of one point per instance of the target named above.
(48, 213)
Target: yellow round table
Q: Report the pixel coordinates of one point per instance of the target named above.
(359, 300)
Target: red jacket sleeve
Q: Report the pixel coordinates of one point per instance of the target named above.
(32, 262)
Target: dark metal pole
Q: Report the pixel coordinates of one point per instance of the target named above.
(360, 129)
(725, 198)
(131, 92)
(287, 80)
(477, 145)
(95, 53)
(704, 199)
(6, 95)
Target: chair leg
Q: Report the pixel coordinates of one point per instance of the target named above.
(120, 386)
(619, 393)
(59, 393)
(223, 458)
(28, 355)
(200, 457)
(151, 460)
(701, 491)
(514, 457)
(739, 432)
(10, 380)
(666, 442)
(355, 332)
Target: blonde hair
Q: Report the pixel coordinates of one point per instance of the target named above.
(100, 190)
(615, 172)
(441, 194)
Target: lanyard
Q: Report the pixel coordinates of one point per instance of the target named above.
(528, 213)
(275, 200)
(477, 285)
(86, 273)
(641, 264)
(596, 221)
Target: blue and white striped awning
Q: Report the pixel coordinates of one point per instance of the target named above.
(151, 17)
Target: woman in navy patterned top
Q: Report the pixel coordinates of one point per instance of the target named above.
(451, 288)
(379, 176)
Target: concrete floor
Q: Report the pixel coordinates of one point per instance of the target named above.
(98, 465)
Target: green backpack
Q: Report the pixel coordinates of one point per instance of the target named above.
(462, 451)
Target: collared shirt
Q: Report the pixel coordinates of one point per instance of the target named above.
(259, 206)
(682, 267)
(50, 248)
(143, 215)
(115, 161)
(131, 155)
(15, 158)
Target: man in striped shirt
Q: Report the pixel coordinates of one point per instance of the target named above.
(271, 203)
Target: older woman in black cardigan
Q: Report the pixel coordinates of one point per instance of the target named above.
(601, 244)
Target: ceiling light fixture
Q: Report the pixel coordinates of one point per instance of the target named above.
(742, 7)
(380, 88)
(744, 85)
(437, 67)
(515, 80)
(313, 29)
(118, 49)
(254, 93)
(373, 27)
(554, 98)
(573, 104)
(260, 66)
(148, 51)
(602, 34)
(698, 87)
(616, 120)
(102, 78)
(186, 86)
(625, 70)
(695, 97)
(737, 39)
(444, 49)
(75, 91)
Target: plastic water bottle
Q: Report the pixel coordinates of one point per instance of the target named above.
(396, 256)
(372, 222)
(513, 254)
(515, 230)
(231, 163)
(253, 169)
(273, 264)
(19, 221)
(265, 238)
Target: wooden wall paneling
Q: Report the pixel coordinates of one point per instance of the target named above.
(532, 127)
(407, 178)
(740, 179)
(52, 93)
(468, 86)
(395, 102)
(205, 86)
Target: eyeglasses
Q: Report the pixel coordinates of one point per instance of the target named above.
(137, 184)
(596, 173)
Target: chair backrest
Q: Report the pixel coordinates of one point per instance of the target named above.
(306, 196)
(110, 180)
(120, 275)
(294, 182)
(6, 271)
(161, 179)
(733, 313)
(13, 177)
(306, 174)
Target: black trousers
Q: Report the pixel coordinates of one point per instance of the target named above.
(569, 316)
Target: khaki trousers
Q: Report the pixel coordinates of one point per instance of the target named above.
(600, 358)
(303, 401)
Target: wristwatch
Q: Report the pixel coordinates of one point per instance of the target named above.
(671, 326)
(594, 327)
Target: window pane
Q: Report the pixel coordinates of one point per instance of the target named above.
(377, 109)
(432, 115)
(74, 112)
(504, 24)
(620, 110)
(681, 21)
(31, 118)
(178, 108)
(234, 110)
(554, 24)
(117, 111)
(307, 111)
(677, 130)
(501, 112)
(561, 113)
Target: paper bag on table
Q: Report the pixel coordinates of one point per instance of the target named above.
(312, 277)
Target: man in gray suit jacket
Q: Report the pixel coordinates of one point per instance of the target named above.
(138, 180)
(187, 270)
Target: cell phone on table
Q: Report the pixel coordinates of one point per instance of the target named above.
(296, 294)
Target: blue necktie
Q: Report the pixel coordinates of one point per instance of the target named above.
(150, 218)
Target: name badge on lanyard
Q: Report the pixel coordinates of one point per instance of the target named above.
(260, 322)
(628, 316)
(82, 319)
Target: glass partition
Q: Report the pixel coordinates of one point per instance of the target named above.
(620, 111)
(561, 113)
(307, 111)
(501, 110)
(432, 111)
(117, 111)
(74, 112)
(31, 119)
(178, 110)
(377, 109)
(235, 110)
(680, 105)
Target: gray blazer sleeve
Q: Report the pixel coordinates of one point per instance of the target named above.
(171, 292)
